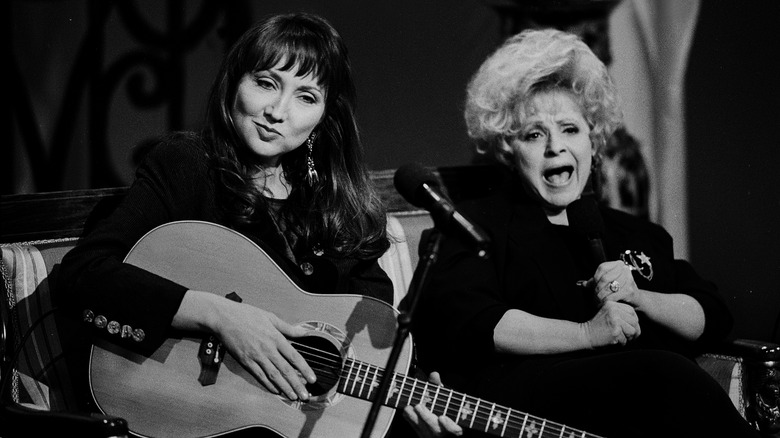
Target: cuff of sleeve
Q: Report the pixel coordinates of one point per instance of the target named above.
(484, 326)
(718, 321)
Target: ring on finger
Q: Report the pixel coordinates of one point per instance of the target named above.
(614, 286)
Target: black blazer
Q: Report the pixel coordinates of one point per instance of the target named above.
(175, 183)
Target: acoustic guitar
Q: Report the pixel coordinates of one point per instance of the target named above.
(187, 388)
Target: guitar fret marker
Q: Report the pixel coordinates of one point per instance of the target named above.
(465, 411)
(532, 430)
(496, 419)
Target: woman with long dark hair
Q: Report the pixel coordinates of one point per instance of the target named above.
(280, 161)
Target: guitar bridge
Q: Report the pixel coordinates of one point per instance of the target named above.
(212, 353)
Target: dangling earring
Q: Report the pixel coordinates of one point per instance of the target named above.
(311, 173)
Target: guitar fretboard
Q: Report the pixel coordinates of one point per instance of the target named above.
(362, 380)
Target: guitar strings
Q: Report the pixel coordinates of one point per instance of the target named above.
(330, 364)
(407, 392)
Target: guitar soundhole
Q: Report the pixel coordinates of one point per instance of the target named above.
(324, 359)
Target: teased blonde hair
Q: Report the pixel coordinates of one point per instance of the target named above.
(533, 61)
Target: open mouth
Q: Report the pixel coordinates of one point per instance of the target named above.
(558, 175)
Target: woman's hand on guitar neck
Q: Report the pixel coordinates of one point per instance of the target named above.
(428, 425)
(254, 337)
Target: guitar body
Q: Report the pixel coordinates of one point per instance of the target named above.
(160, 395)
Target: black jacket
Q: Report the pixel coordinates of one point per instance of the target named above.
(175, 183)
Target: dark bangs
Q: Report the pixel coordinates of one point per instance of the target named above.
(296, 40)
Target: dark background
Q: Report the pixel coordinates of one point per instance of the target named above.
(733, 115)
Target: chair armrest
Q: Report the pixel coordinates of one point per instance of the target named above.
(753, 350)
(20, 421)
(761, 363)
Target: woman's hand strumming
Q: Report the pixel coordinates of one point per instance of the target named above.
(254, 337)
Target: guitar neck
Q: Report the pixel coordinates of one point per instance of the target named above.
(361, 380)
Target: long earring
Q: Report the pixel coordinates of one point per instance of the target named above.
(312, 177)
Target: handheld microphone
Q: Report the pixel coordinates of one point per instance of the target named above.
(584, 217)
(420, 187)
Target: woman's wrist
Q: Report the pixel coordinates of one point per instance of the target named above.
(199, 311)
(584, 336)
(642, 300)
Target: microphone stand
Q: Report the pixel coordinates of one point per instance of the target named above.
(404, 325)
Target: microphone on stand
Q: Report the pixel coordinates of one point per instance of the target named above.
(420, 187)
